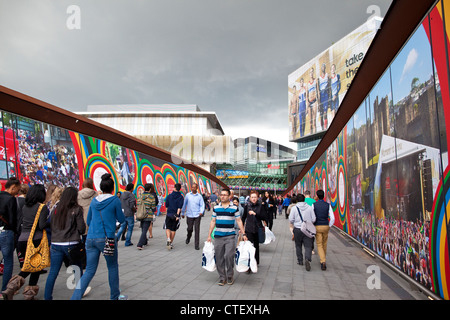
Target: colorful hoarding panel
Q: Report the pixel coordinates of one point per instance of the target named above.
(38, 153)
(317, 88)
(387, 174)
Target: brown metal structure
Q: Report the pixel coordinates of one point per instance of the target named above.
(26, 106)
(400, 21)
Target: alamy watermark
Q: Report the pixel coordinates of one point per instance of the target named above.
(73, 21)
(374, 280)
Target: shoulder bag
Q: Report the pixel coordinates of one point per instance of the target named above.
(110, 243)
(307, 227)
(37, 258)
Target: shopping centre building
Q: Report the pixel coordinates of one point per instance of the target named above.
(183, 130)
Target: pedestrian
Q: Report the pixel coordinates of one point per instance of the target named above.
(174, 204)
(33, 200)
(254, 218)
(324, 221)
(150, 200)
(128, 202)
(288, 211)
(84, 199)
(193, 208)
(286, 203)
(310, 201)
(67, 225)
(269, 204)
(8, 226)
(237, 203)
(302, 240)
(280, 204)
(224, 217)
(103, 213)
(308, 198)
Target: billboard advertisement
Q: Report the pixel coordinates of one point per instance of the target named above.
(317, 88)
(39, 153)
(387, 175)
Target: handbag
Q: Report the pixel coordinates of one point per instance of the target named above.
(110, 243)
(37, 258)
(307, 227)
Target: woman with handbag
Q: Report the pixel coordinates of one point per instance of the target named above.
(104, 211)
(67, 226)
(150, 200)
(33, 222)
(254, 218)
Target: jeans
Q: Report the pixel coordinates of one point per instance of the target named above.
(94, 248)
(158, 209)
(58, 253)
(130, 222)
(7, 249)
(144, 227)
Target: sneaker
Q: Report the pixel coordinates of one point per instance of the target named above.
(307, 265)
(168, 243)
(139, 248)
(230, 281)
(221, 282)
(122, 297)
(86, 292)
(171, 246)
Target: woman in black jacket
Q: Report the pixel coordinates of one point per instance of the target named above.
(67, 225)
(269, 204)
(253, 218)
(34, 198)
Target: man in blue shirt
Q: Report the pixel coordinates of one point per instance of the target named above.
(223, 219)
(193, 208)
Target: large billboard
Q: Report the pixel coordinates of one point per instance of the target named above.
(387, 175)
(317, 88)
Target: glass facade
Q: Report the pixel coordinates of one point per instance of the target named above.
(387, 175)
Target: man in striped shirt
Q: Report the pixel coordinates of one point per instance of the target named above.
(223, 218)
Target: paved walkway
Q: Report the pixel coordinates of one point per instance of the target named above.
(156, 273)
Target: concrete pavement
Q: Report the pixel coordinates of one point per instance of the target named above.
(156, 273)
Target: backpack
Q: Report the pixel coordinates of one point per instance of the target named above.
(146, 206)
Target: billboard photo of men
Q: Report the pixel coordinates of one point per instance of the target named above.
(312, 102)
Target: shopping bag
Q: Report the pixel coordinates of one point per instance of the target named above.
(245, 257)
(208, 257)
(242, 257)
(270, 237)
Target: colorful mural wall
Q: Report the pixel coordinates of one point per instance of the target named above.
(36, 152)
(387, 174)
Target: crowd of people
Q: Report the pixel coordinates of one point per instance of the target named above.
(403, 243)
(77, 221)
(43, 163)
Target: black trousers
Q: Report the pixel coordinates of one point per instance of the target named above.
(193, 225)
(253, 238)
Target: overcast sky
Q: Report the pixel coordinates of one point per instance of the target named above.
(230, 56)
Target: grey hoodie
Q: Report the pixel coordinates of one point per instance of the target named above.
(85, 197)
(307, 213)
(128, 201)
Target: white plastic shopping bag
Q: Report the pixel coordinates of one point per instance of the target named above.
(245, 257)
(270, 237)
(208, 257)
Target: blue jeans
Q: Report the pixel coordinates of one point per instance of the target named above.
(94, 248)
(57, 253)
(130, 222)
(7, 249)
(158, 209)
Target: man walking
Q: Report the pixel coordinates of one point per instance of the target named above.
(174, 203)
(8, 226)
(193, 208)
(223, 219)
(302, 212)
(324, 221)
(128, 201)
